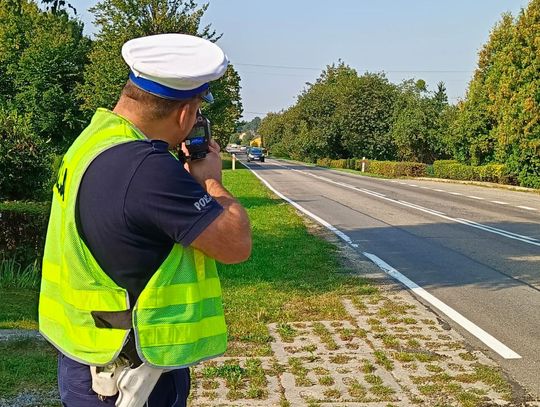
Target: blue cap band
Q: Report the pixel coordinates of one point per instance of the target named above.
(163, 91)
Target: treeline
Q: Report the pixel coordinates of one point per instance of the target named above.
(53, 77)
(345, 115)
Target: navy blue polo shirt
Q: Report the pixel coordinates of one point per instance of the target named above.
(135, 201)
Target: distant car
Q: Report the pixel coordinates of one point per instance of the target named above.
(255, 153)
(243, 148)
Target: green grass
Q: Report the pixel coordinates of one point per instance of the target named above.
(18, 308)
(26, 365)
(292, 275)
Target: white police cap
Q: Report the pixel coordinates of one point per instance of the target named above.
(174, 66)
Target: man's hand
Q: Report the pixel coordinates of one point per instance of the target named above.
(228, 238)
(208, 168)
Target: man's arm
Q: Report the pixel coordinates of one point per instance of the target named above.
(228, 238)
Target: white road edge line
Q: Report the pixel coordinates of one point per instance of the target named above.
(327, 225)
(471, 327)
(500, 232)
(527, 207)
(475, 330)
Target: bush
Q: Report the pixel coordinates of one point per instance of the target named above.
(23, 226)
(324, 162)
(338, 163)
(530, 181)
(452, 169)
(25, 160)
(279, 150)
(396, 169)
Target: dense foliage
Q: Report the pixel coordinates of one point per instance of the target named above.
(25, 161)
(41, 63)
(52, 78)
(344, 115)
(500, 119)
(22, 231)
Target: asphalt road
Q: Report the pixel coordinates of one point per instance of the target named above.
(474, 248)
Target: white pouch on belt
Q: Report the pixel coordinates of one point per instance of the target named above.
(135, 385)
(104, 378)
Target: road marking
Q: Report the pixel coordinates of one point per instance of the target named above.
(336, 231)
(474, 197)
(496, 230)
(412, 185)
(471, 327)
(411, 205)
(439, 190)
(486, 228)
(475, 330)
(500, 202)
(456, 193)
(527, 207)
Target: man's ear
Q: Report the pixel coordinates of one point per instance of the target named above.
(185, 117)
(185, 113)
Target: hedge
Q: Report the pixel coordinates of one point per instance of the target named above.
(23, 226)
(452, 169)
(396, 169)
(385, 168)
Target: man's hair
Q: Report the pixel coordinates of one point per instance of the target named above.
(153, 107)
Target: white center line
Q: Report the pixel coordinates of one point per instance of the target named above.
(474, 329)
(500, 202)
(456, 193)
(527, 207)
(475, 197)
(486, 228)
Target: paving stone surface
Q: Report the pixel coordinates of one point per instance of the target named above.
(392, 351)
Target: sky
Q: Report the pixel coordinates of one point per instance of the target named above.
(278, 46)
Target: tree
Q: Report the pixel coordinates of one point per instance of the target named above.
(500, 117)
(517, 98)
(419, 123)
(121, 20)
(25, 163)
(41, 63)
(366, 110)
(252, 125)
(58, 6)
(474, 139)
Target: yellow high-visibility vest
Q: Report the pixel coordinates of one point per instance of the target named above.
(178, 318)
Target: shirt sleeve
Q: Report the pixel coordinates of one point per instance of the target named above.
(164, 201)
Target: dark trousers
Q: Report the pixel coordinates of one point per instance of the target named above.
(75, 386)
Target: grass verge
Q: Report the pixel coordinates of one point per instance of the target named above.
(292, 275)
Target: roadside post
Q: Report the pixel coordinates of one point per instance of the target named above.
(234, 162)
(363, 164)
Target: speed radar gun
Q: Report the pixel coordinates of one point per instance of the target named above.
(133, 385)
(198, 139)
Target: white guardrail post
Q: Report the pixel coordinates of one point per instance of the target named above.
(234, 162)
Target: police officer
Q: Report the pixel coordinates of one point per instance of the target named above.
(129, 266)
